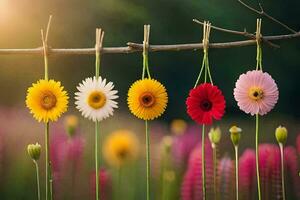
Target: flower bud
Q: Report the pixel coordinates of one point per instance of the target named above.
(281, 134)
(178, 126)
(71, 124)
(169, 175)
(34, 151)
(167, 142)
(235, 135)
(214, 135)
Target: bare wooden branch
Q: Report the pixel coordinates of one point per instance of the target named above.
(263, 13)
(48, 28)
(242, 33)
(137, 47)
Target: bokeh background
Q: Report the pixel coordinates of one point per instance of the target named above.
(73, 26)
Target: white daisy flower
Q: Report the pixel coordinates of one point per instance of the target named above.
(96, 99)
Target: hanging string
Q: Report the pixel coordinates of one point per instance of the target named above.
(145, 52)
(258, 44)
(205, 61)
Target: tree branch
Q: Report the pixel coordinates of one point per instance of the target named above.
(263, 13)
(242, 33)
(136, 47)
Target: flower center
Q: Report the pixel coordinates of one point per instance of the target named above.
(206, 105)
(147, 99)
(256, 93)
(96, 100)
(122, 154)
(48, 100)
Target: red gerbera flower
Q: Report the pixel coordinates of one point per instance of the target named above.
(204, 103)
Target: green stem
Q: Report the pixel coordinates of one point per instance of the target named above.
(50, 182)
(203, 163)
(97, 68)
(208, 70)
(37, 179)
(205, 73)
(215, 170)
(46, 64)
(200, 73)
(96, 159)
(148, 159)
(120, 183)
(282, 171)
(260, 59)
(257, 56)
(257, 157)
(146, 66)
(236, 148)
(47, 160)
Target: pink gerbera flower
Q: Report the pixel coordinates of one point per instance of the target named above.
(256, 92)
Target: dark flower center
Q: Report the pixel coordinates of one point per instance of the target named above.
(122, 154)
(206, 105)
(256, 93)
(48, 100)
(147, 99)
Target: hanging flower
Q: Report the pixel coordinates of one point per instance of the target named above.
(147, 99)
(96, 98)
(204, 103)
(47, 100)
(256, 92)
(120, 147)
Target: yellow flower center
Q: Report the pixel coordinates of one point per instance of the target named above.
(48, 100)
(256, 93)
(96, 99)
(147, 99)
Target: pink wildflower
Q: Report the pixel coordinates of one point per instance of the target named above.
(191, 188)
(104, 184)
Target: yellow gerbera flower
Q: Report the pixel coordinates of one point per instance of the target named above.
(147, 99)
(120, 147)
(47, 100)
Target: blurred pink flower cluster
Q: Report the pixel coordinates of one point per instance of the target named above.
(270, 174)
(66, 157)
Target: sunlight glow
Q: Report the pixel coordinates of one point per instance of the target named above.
(4, 10)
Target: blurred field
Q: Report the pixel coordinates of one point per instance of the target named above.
(17, 170)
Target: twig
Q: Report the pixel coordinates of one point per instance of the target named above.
(136, 47)
(263, 13)
(242, 33)
(48, 28)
